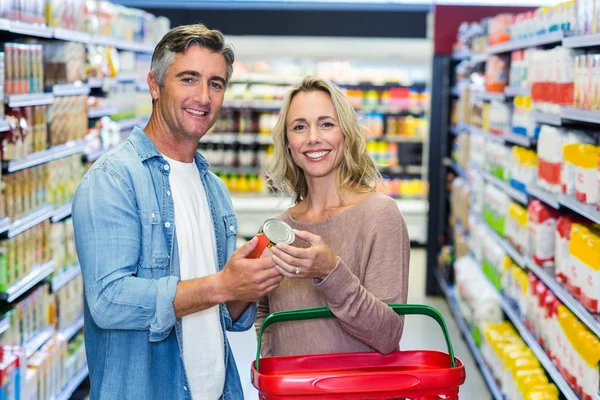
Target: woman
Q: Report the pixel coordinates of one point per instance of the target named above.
(352, 249)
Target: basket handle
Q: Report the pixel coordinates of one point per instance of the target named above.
(325, 312)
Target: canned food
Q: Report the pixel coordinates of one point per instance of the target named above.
(273, 231)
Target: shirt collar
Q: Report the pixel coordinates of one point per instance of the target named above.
(146, 149)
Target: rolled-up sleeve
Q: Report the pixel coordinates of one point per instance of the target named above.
(108, 239)
(245, 321)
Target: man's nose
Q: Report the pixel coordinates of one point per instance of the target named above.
(202, 94)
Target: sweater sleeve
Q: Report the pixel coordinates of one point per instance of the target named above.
(362, 308)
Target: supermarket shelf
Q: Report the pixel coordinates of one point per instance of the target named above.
(582, 41)
(507, 247)
(38, 341)
(514, 138)
(23, 28)
(464, 329)
(122, 44)
(589, 212)
(61, 213)
(4, 325)
(517, 91)
(590, 320)
(4, 125)
(127, 124)
(457, 169)
(95, 83)
(539, 352)
(72, 36)
(505, 187)
(575, 114)
(490, 96)
(539, 40)
(256, 104)
(479, 58)
(401, 139)
(464, 54)
(98, 112)
(549, 198)
(29, 99)
(5, 224)
(71, 89)
(37, 275)
(65, 277)
(44, 156)
(126, 77)
(29, 221)
(547, 118)
(70, 331)
(73, 384)
(43, 31)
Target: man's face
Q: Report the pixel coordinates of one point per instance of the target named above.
(193, 92)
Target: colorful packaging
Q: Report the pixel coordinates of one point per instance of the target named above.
(549, 150)
(586, 167)
(542, 225)
(515, 228)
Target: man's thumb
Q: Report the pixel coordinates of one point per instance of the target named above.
(246, 248)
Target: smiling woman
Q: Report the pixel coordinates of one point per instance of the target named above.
(351, 251)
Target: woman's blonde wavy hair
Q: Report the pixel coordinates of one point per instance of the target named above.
(357, 172)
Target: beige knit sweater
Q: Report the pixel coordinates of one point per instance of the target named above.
(373, 244)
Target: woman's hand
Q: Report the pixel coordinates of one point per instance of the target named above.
(317, 261)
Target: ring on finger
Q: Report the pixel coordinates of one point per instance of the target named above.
(297, 270)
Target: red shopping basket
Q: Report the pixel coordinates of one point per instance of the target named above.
(413, 374)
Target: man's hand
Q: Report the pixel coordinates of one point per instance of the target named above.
(242, 281)
(248, 279)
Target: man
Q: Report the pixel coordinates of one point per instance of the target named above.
(154, 230)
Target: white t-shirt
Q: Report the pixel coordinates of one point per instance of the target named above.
(203, 352)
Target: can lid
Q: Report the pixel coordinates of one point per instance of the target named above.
(278, 231)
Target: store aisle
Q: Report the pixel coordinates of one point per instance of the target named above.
(419, 333)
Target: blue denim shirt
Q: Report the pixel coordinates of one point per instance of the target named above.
(123, 216)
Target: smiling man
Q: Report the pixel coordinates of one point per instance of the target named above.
(156, 235)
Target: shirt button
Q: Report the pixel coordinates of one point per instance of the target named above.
(167, 224)
(166, 167)
(153, 215)
(168, 192)
(185, 388)
(231, 228)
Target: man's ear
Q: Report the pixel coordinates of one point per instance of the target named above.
(154, 87)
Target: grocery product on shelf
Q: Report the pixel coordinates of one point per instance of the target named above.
(542, 227)
(28, 132)
(64, 62)
(68, 120)
(478, 300)
(24, 68)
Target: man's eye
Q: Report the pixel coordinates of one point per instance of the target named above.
(216, 85)
(187, 80)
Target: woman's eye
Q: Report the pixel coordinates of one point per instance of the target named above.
(327, 125)
(299, 127)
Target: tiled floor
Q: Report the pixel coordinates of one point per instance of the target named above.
(419, 333)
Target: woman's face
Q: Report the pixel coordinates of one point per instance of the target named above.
(315, 138)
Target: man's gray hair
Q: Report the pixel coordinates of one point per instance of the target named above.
(179, 39)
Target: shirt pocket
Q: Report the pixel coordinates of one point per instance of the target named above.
(231, 230)
(155, 254)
